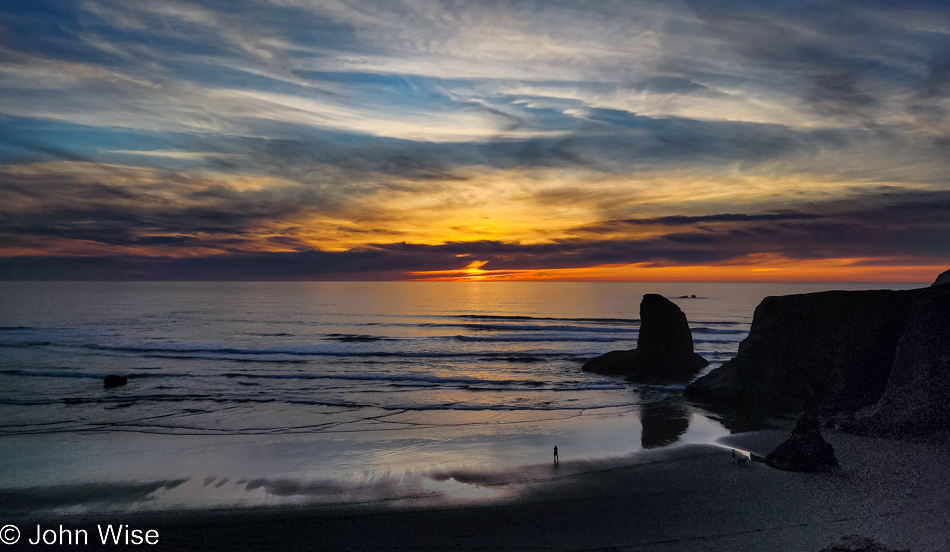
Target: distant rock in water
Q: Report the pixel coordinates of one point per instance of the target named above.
(114, 381)
(805, 451)
(834, 349)
(916, 400)
(944, 278)
(664, 347)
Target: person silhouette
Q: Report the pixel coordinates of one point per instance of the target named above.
(555, 455)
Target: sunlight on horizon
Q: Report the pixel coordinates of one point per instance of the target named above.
(769, 269)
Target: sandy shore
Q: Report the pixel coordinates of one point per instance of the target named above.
(681, 499)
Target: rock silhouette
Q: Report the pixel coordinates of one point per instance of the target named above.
(664, 349)
(856, 543)
(915, 401)
(944, 278)
(805, 451)
(833, 348)
(877, 360)
(114, 381)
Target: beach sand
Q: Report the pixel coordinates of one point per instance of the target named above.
(676, 499)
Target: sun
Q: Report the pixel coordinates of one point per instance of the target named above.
(473, 271)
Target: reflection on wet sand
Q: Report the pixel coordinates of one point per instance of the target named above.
(663, 423)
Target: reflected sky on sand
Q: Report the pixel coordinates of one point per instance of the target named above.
(486, 459)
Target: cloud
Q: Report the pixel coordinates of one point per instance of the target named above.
(686, 220)
(881, 233)
(729, 217)
(527, 134)
(126, 206)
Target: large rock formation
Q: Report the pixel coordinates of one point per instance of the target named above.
(664, 347)
(879, 359)
(831, 350)
(805, 451)
(916, 400)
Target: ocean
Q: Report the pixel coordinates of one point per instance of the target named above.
(248, 394)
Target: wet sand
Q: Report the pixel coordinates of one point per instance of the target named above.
(677, 499)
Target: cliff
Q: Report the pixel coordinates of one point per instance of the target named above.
(827, 352)
(916, 399)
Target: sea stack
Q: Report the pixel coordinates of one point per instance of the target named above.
(664, 347)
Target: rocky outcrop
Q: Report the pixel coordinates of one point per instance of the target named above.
(664, 347)
(114, 381)
(916, 400)
(832, 351)
(944, 278)
(878, 360)
(805, 451)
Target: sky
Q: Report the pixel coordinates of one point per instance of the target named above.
(474, 140)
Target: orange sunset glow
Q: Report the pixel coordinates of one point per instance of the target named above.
(762, 270)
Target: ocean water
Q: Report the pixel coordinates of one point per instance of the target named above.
(282, 393)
